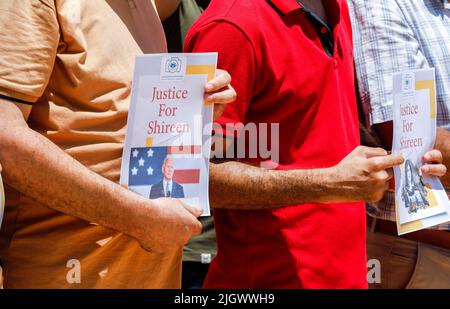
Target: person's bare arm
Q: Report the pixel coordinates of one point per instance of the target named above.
(236, 185)
(36, 167)
(360, 176)
(166, 8)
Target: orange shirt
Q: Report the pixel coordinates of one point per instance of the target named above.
(72, 60)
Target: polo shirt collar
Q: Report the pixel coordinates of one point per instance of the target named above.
(285, 6)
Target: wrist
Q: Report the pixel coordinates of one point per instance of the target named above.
(332, 177)
(136, 213)
(314, 185)
(331, 184)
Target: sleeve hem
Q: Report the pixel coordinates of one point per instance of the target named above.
(17, 97)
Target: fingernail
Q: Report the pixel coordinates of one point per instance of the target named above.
(210, 98)
(200, 210)
(209, 86)
(425, 169)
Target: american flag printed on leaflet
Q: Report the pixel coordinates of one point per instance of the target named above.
(146, 162)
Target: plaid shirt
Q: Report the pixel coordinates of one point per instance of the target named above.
(395, 35)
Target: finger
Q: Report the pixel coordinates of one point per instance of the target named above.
(225, 96)
(371, 152)
(196, 228)
(382, 177)
(385, 162)
(195, 211)
(222, 80)
(386, 175)
(433, 156)
(390, 172)
(438, 170)
(383, 187)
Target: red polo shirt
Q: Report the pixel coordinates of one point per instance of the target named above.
(282, 73)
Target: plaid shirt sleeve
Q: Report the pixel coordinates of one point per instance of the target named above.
(384, 44)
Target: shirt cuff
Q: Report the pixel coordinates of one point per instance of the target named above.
(17, 97)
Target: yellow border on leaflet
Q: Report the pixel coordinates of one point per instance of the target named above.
(209, 70)
(201, 69)
(407, 227)
(429, 84)
(149, 142)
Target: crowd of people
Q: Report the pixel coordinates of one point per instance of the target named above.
(322, 70)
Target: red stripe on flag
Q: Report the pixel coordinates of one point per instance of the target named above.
(174, 150)
(186, 176)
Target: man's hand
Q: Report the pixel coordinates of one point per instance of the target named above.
(443, 145)
(364, 174)
(433, 164)
(168, 224)
(219, 91)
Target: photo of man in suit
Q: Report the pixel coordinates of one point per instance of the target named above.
(414, 192)
(167, 187)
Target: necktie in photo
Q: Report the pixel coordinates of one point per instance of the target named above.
(167, 190)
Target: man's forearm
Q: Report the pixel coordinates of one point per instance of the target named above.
(235, 185)
(36, 167)
(443, 145)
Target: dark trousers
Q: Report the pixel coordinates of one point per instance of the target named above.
(193, 275)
